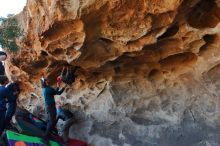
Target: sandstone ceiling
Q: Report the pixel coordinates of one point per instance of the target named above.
(120, 38)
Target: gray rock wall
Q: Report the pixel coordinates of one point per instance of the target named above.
(134, 113)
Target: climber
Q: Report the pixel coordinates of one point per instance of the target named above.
(3, 57)
(68, 75)
(48, 94)
(3, 96)
(68, 119)
(63, 114)
(14, 91)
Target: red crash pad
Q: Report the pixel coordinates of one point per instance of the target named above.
(76, 142)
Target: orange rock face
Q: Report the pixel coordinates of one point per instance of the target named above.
(146, 66)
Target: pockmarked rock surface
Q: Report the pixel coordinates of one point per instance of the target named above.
(149, 69)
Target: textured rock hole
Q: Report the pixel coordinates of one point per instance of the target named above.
(117, 69)
(14, 72)
(209, 38)
(54, 28)
(60, 29)
(96, 73)
(170, 31)
(208, 50)
(153, 73)
(213, 73)
(55, 63)
(40, 64)
(70, 51)
(105, 40)
(204, 15)
(173, 62)
(58, 51)
(44, 53)
(15, 61)
(156, 76)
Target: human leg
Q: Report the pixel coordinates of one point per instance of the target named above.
(2, 121)
(51, 119)
(10, 112)
(66, 128)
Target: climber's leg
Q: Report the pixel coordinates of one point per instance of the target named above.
(51, 119)
(2, 121)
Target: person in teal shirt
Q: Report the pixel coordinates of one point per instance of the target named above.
(50, 106)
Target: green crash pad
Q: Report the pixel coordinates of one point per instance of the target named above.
(13, 136)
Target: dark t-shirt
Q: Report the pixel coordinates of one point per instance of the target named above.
(4, 94)
(14, 90)
(2, 69)
(49, 93)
